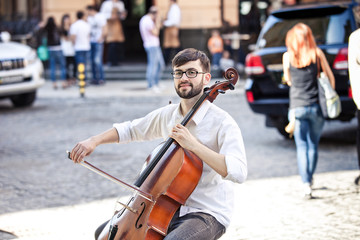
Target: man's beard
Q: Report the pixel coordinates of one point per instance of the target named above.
(194, 91)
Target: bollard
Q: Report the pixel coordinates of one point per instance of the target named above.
(81, 77)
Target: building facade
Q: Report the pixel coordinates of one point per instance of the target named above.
(20, 18)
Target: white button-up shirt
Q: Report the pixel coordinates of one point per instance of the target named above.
(108, 5)
(214, 128)
(81, 29)
(173, 16)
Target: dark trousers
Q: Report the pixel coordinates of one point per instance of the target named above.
(81, 57)
(70, 61)
(115, 53)
(169, 54)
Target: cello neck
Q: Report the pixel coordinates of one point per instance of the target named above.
(169, 141)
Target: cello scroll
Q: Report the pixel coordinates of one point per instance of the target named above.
(231, 76)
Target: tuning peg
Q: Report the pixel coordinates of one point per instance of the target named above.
(231, 86)
(221, 91)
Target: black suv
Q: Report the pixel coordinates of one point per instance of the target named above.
(331, 23)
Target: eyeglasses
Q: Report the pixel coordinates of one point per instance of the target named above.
(189, 73)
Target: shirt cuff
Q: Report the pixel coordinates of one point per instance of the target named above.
(237, 170)
(123, 131)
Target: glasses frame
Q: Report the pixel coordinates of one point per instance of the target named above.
(182, 73)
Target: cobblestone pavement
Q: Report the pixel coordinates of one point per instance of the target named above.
(44, 197)
(266, 209)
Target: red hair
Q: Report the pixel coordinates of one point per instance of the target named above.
(301, 45)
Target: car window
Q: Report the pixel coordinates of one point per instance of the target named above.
(327, 29)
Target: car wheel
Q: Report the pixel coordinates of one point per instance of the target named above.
(23, 100)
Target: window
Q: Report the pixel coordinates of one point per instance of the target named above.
(19, 16)
(333, 28)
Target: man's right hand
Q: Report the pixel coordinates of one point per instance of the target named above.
(86, 147)
(82, 149)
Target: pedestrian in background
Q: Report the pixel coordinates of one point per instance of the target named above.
(171, 43)
(216, 48)
(354, 74)
(56, 57)
(80, 35)
(300, 65)
(114, 38)
(68, 50)
(149, 29)
(226, 61)
(97, 23)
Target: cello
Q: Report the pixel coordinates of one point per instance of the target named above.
(171, 175)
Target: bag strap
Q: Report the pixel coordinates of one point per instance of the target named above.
(318, 62)
(318, 65)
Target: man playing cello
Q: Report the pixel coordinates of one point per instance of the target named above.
(212, 135)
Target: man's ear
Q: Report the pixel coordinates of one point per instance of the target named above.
(207, 78)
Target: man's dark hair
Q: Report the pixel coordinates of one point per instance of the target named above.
(80, 14)
(191, 54)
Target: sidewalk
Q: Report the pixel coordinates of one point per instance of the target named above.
(109, 89)
(134, 88)
(266, 209)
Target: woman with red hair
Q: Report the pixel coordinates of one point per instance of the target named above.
(301, 64)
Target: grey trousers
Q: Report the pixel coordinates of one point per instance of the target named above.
(194, 226)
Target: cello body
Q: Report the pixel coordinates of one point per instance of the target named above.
(170, 183)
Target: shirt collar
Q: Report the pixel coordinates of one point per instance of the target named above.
(200, 113)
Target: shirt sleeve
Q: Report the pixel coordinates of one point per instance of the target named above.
(232, 146)
(141, 129)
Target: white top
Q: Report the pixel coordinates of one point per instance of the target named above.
(97, 22)
(173, 16)
(354, 65)
(81, 30)
(214, 128)
(67, 47)
(146, 25)
(108, 5)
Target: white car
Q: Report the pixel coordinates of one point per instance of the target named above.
(21, 72)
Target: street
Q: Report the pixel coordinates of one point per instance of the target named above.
(35, 173)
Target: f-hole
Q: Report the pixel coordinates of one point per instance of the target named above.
(137, 225)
